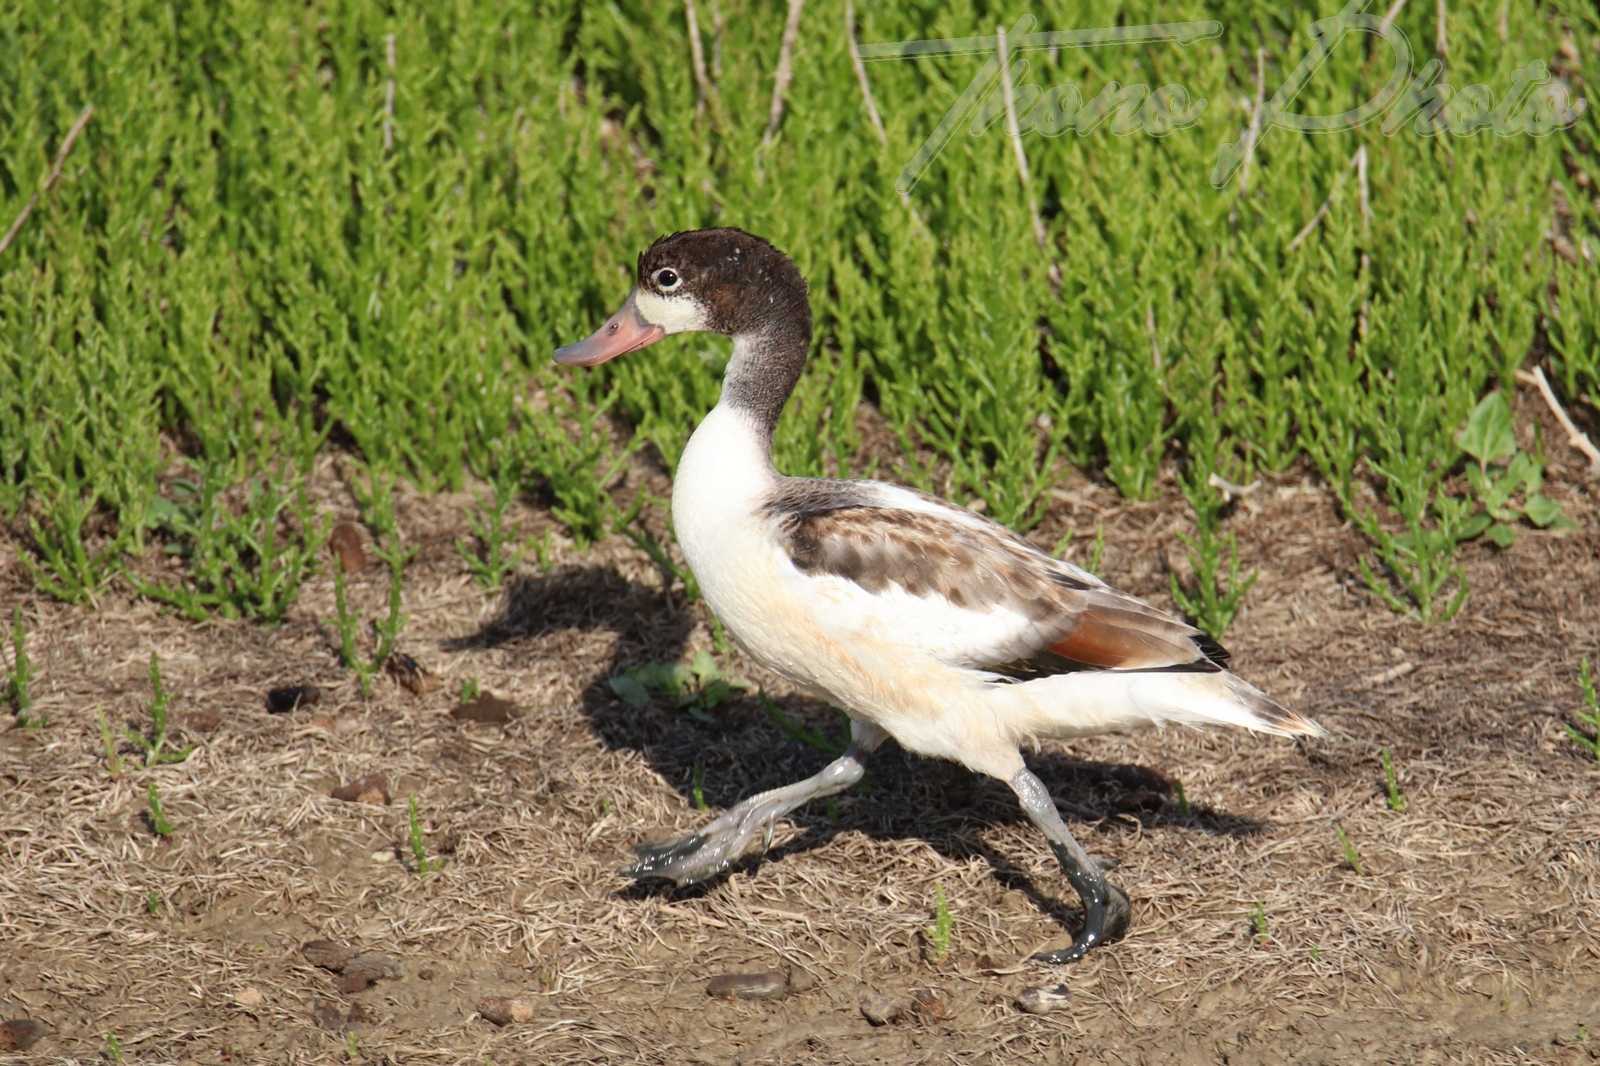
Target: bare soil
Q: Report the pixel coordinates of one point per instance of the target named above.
(1469, 933)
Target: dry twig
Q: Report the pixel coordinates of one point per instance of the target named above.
(49, 182)
(697, 56)
(1390, 15)
(1357, 161)
(785, 72)
(1254, 132)
(1014, 131)
(1575, 436)
(861, 73)
(388, 95)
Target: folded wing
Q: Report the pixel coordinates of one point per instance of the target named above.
(996, 601)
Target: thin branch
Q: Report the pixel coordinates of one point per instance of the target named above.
(1150, 328)
(1305, 231)
(861, 72)
(1015, 132)
(50, 181)
(1575, 436)
(1364, 190)
(1254, 132)
(785, 72)
(1503, 22)
(1229, 489)
(388, 95)
(1359, 162)
(1440, 16)
(1390, 15)
(719, 26)
(697, 56)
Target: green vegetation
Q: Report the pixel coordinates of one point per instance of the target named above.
(697, 688)
(1391, 783)
(1589, 714)
(385, 632)
(419, 845)
(942, 932)
(155, 815)
(1258, 924)
(108, 744)
(290, 231)
(18, 689)
(1347, 847)
(152, 746)
(697, 793)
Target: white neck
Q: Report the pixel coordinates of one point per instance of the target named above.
(724, 473)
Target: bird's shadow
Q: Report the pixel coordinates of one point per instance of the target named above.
(749, 742)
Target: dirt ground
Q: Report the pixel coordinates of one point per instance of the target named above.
(1470, 932)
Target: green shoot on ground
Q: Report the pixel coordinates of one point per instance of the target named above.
(419, 845)
(942, 931)
(108, 744)
(1391, 783)
(493, 557)
(1589, 713)
(1258, 923)
(18, 690)
(1352, 858)
(1183, 798)
(153, 746)
(156, 815)
(386, 632)
(696, 787)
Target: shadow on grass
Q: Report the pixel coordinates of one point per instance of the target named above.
(737, 748)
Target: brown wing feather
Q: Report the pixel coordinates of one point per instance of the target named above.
(1076, 620)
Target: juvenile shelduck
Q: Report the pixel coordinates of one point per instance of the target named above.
(922, 621)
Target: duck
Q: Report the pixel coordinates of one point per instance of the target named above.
(921, 620)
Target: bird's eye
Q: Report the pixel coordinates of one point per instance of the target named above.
(666, 279)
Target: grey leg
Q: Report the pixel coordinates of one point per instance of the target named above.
(1105, 906)
(714, 848)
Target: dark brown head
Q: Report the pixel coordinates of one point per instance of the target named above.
(714, 280)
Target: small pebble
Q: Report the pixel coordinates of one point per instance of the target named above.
(487, 710)
(205, 721)
(880, 1009)
(20, 1034)
(367, 968)
(1044, 1000)
(769, 984)
(374, 788)
(250, 998)
(355, 981)
(290, 697)
(327, 1015)
(504, 1010)
(328, 954)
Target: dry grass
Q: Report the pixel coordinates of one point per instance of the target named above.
(1470, 933)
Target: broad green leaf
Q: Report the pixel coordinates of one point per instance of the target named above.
(1487, 436)
(1542, 511)
(629, 690)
